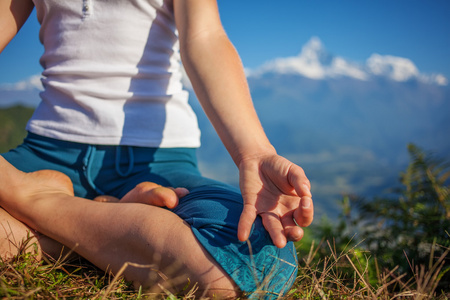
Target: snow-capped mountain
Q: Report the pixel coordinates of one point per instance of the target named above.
(346, 124)
(315, 62)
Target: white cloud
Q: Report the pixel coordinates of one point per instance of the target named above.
(342, 67)
(33, 82)
(313, 62)
(438, 79)
(393, 67)
(294, 65)
(24, 92)
(316, 63)
(307, 63)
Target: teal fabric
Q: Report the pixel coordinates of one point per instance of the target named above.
(211, 208)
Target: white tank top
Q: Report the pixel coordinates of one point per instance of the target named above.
(112, 74)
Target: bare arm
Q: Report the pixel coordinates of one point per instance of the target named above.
(272, 187)
(220, 84)
(13, 14)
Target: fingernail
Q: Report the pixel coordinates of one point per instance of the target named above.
(306, 202)
(307, 189)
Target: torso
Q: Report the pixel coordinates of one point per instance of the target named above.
(112, 74)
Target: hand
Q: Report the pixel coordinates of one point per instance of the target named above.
(149, 193)
(278, 191)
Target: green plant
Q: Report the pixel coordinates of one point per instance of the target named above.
(411, 230)
(406, 231)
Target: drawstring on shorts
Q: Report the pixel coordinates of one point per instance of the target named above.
(90, 156)
(87, 164)
(130, 161)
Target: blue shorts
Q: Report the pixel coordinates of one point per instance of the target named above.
(211, 208)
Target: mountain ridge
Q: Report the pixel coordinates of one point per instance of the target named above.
(349, 135)
(347, 127)
(315, 62)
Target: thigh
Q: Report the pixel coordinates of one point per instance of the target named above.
(213, 213)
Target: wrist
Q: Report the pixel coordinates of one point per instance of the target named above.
(255, 153)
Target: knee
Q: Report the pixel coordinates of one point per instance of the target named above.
(15, 238)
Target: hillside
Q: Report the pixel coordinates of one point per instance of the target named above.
(350, 136)
(12, 126)
(347, 124)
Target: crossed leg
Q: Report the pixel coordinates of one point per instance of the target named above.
(109, 234)
(16, 237)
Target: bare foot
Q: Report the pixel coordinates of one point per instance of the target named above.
(149, 193)
(18, 188)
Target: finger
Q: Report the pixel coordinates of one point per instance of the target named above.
(292, 231)
(304, 214)
(138, 194)
(181, 192)
(246, 221)
(162, 196)
(298, 180)
(152, 194)
(273, 225)
(106, 198)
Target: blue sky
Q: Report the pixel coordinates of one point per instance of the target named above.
(263, 30)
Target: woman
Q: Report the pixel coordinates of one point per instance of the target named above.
(114, 120)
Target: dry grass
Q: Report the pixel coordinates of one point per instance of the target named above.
(347, 275)
(343, 275)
